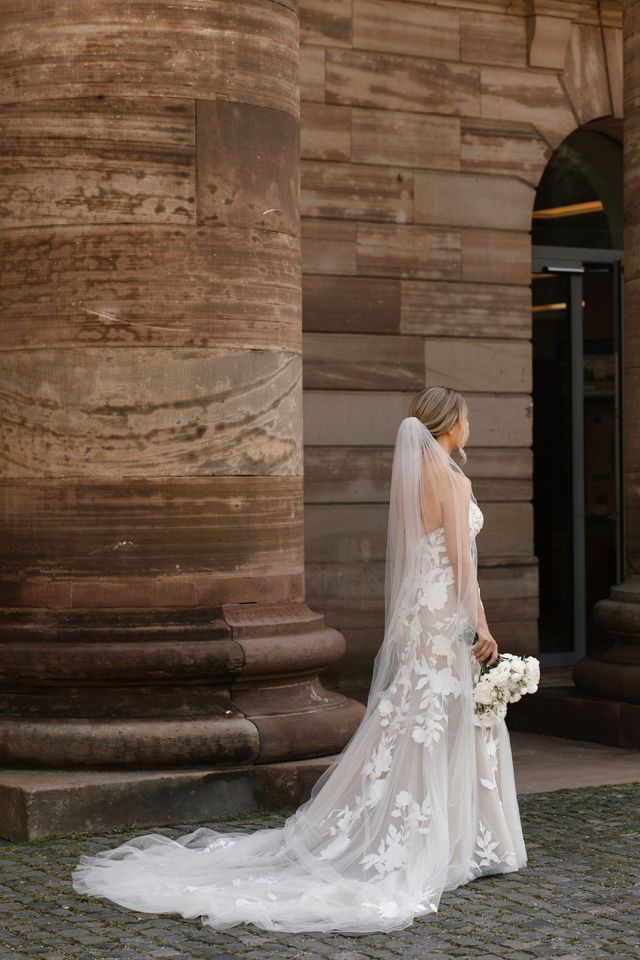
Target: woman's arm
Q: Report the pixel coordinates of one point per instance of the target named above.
(482, 619)
(456, 504)
(485, 647)
(455, 495)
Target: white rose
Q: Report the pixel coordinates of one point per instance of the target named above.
(532, 673)
(483, 693)
(484, 719)
(500, 672)
(532, 665)
(518, 669)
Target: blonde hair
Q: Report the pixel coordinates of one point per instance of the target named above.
(438, 408)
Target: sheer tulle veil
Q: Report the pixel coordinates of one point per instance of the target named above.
(423, 476)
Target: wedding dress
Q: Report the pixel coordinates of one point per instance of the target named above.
(420, 800)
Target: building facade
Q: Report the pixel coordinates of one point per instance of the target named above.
(238, 237)
(438, 141)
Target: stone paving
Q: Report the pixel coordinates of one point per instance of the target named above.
(579, 897)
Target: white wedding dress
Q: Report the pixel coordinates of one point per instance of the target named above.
(420, 801)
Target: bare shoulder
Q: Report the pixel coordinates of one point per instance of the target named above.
(450, 487)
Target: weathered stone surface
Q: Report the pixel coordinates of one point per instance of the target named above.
(504, 147)
(221, 49)
(547, 38)
(409, 250)
(474, 364)
(329, 247)
(525, 95)
(259, 661)
(312, 73)
(325, 131)
(579, 715)
(343, 418)
(350, 304)
(585, 74)
(496, 309)
(496, 256)
(352, 532)
(140, 743)
(35, 803)
(149, 285)
(362, 474)
(325, 22)
(247, 166)
(469, 200)
(105, 411)
(362, 362)
(397, 27)
(372, 79)
(352, 192)
(492, 38)
(612, 40)
(400, 138)
(102, 159)
(152, 433)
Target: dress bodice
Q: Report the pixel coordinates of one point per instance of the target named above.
(476, 520)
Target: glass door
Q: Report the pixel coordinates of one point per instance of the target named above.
(577, 443)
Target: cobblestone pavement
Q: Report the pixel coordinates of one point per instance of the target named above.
(578, 897)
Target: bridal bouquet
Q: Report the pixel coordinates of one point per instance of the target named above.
(502, 683)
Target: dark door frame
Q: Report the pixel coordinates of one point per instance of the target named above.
(571, 261)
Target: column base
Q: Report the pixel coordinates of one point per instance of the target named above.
(615, 673)
(145, 689)
(35, 804)
(563, 711)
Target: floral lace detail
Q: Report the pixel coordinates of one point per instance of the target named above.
(424, 671)
(490, 744)
(476, 522)
(438, 685)
(476, 519)
(394, 846)
(485, 846)
(485, 851)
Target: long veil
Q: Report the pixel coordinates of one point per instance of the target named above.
(391, 823)
(424, 478)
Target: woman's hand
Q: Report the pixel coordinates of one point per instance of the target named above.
(485, 647)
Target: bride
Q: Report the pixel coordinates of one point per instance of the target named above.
(421, 799)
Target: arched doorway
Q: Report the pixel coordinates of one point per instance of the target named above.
(577, 431)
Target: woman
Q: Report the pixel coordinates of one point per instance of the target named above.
(421, 799)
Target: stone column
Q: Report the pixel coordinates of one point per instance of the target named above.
(152, 579)
(615, 674)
